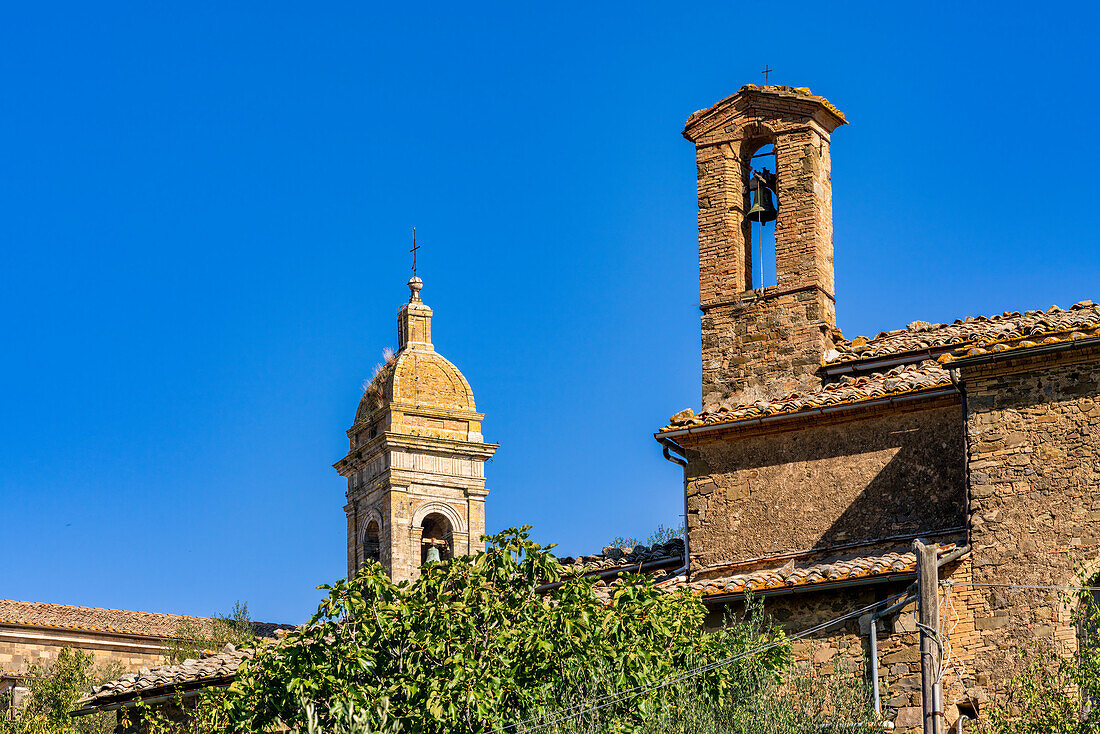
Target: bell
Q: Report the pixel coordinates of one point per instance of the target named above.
(763, 208)
(433, 555)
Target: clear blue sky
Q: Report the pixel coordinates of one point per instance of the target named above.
(204, 222)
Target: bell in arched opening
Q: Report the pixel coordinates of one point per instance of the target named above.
(432, 556)
(762, 188)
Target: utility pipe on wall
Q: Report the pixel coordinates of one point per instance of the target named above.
(667, 446)
(910, 594)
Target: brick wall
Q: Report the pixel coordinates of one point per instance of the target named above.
(825, 483)
(764, 343)
(1034, 456)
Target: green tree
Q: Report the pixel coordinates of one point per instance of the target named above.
(52, 693)
(661, 535)
(1056, 694)
(477, 643)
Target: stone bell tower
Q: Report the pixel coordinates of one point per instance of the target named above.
(761, 343)
(416, 465)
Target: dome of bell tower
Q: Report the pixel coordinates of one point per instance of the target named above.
(418, 379)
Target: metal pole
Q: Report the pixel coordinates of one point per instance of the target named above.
(928, 616)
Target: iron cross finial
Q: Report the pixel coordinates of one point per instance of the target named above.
(415, 247)
(767, 70)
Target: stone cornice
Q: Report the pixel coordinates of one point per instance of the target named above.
(389, 441)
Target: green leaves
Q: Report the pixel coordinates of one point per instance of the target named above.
(471, 646)
(1057, 693)
(52, 692)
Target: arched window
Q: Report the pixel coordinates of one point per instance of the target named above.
(435, 538)
(372, 542)
(760, 217)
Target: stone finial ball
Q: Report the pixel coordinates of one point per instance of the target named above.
(415, 284)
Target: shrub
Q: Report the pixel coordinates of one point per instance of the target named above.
(52, 693)
(474, 644)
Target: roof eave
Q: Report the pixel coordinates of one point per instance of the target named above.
(808, 588)
(929, 393)
(1023, 352)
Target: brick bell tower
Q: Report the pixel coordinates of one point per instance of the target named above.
(760, 343)
(416, 464)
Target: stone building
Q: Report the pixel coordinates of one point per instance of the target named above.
(32, 634)
(416, 462)
(817, 460)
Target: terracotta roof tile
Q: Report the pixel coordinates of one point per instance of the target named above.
(617, 558)
(144, 624)
(208, 670)
(903, 379)
(805, 574)
(973, 330)
(914, 346)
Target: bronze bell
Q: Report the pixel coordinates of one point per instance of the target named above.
(763, 206)
(433, 555)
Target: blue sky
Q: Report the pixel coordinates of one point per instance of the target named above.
(204, 222)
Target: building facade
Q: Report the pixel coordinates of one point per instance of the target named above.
(33, 633)
(416, 462)
(816, 460)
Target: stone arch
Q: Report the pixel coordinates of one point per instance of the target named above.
(440, 508)
(369, 542)
(438, 522)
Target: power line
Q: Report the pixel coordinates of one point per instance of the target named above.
(612, 698)
(952, 582)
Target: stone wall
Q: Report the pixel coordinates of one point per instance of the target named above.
(1034, 457)
(764, 344)
(22, 647)
(822, 484)
(845, 649)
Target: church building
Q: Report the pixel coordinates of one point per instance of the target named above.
(816, 461)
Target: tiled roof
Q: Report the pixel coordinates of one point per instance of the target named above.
(806, 574)
(144, 624)
(1013, 344)
(923, 350)
(612, 558)
(205, 671)
(903, 379)
(971, 331)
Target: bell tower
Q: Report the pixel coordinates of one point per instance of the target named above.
(760, 343)
(416, 462)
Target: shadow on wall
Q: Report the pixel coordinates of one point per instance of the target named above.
(829, 485)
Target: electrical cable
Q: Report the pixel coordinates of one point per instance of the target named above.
(1022, 586)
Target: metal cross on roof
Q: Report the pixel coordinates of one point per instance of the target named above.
(415, 247)
(767, 70)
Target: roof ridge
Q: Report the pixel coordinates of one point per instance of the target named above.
(945, 336)
(109, 609)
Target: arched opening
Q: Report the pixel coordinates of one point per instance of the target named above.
(436, 541)
(761, 209)
(372, 542)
